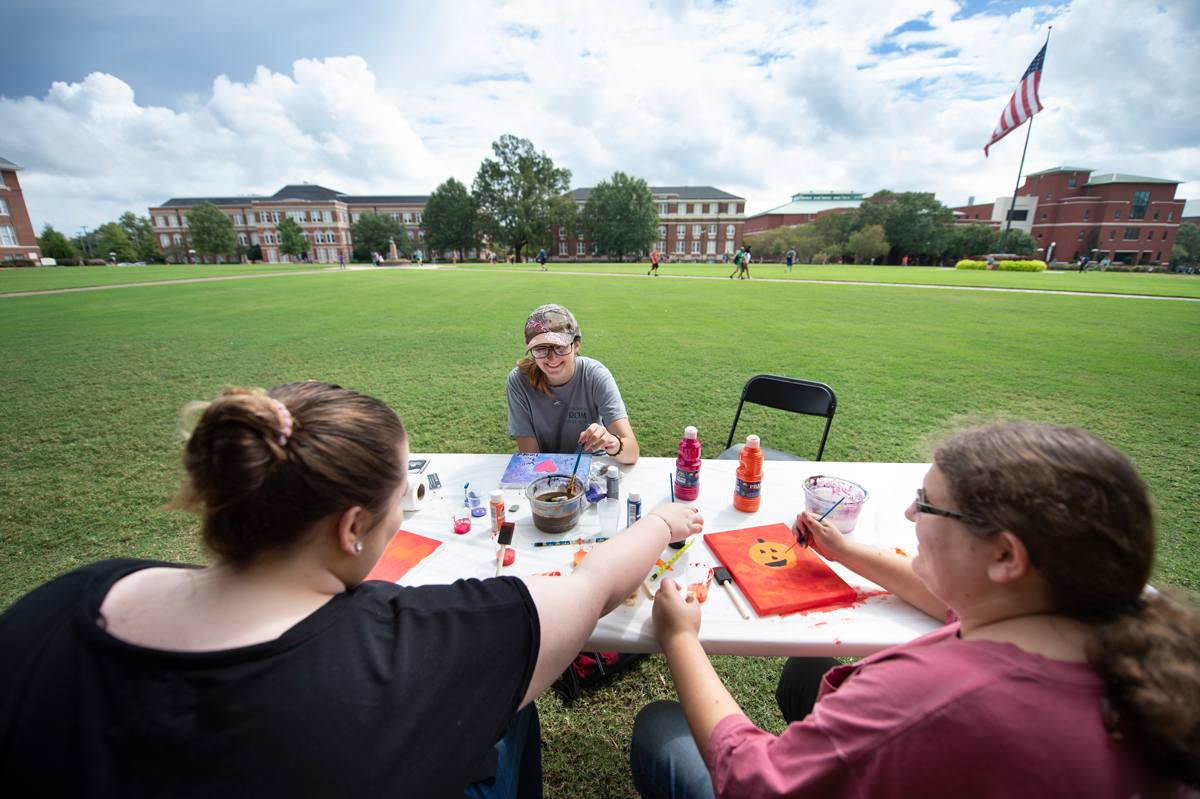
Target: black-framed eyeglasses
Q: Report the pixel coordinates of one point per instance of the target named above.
(934, 510)
(543, 351)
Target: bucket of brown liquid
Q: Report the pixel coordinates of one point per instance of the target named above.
(554, 510)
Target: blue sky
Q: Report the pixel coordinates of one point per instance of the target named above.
(118, 106)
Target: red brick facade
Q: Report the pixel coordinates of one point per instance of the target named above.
(694, 222)
(1136, 218)
(18, 240)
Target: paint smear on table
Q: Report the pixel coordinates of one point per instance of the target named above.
(404, 552)
(859, 600)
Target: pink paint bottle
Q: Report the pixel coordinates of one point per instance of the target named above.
(687, 466)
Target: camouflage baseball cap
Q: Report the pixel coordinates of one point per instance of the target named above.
(550, 324)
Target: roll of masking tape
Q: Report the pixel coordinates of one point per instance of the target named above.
(417, 494)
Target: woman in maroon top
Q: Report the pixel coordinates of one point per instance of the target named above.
(1055, 675)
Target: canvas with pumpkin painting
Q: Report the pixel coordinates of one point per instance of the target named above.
(775, 576)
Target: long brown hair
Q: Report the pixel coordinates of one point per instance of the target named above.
(1087, 520)
(255, 495)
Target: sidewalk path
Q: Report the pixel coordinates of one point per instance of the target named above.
(608, 274)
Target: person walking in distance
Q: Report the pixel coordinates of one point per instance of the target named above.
(653, 263)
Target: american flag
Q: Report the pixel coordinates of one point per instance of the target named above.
(1024, 103)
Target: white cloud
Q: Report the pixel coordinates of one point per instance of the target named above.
(760, 99)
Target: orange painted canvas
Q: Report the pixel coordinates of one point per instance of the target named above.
(774, 579)
(403, 552)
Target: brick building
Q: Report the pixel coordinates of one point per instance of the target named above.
(805, 207)
(324, 215)
(18, 241)
(1134, 218)
(694, 222)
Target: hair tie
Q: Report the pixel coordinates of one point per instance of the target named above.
(285, 421)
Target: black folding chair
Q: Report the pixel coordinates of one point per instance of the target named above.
(787, 394)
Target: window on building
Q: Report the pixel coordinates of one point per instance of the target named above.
(254, 239)
(1156, 215)
(729, 247)
(1071, 183)
(160, 221)
(696, 230)
(1086, 215)
(420, 235)
(1132, 233)
(679, 247)
(418, 217)
(1165, 235)
(329, 216)
(662, 209)
(681, 230)
(407, 217)
(1043, 216)
(562, 234)
(395, 215)
(1048, 196)
(354, 218)
(238, 219)
(178, 240)
(580, 248)
(683, 208)
(711, 248)
(1141, 199)
(1159, 258)
(172, 221)
(1019, 214)
(4, 207)
(1170, 215)
(712, 230)
(729, 231)
(1117, 215)
(8, 236)
(662, 231)
(714, 208)
(164, 240)
(1112, 234)
(695, 248)
(1150, 236)
(1081, 235)
(562, 248)
(242, 239)
(733, 208)
(1039, 235)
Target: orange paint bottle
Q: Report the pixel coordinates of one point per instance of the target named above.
(747, 488)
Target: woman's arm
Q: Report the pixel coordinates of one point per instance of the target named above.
(597, 437)
(704, 698)
(569, 607)
(889, 570)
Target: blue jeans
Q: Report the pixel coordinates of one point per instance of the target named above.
(663, 757)
(519, 761)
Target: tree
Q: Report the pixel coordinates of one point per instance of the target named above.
(869, 243)
(522, 194)
(966, 241)
(210, 232)
(620, 217)
(1020, 243)
(56, 245)
(113, 240)
(375, 232)
(139, 231)
(451, 218)
(915, 222)
(1188, 237)
(291, 237)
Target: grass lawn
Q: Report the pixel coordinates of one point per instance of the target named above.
(43, 278)
(94, 380)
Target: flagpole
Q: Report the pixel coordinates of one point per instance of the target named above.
(1013, 207)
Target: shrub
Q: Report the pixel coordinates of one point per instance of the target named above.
(1021, 266)
(97, 262)
(968, 264)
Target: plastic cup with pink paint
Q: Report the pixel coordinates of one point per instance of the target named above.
(461, 521)
(699, 577)
(822, 492)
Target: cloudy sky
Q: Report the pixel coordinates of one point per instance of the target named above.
(120, 105)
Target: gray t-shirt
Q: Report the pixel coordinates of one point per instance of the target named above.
(556, 422)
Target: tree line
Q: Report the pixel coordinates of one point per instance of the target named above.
(128, 240)
(888, 227)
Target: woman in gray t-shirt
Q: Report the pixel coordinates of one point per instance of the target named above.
(558, 399)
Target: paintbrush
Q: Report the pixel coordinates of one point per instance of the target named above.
(803, 539)
(505, 538)
(674, 558)
(571, 489)
(723, 577)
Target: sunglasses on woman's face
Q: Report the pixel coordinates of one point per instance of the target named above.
(934, 510)
(544, 350)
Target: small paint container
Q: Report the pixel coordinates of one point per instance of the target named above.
(821, 492)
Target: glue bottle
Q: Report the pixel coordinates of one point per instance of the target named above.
(687, 466)
(747, 488)
(633, 508)
(496, 508)
(612, 483)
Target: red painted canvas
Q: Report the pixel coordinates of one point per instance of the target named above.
(403, 552)
(774, 579)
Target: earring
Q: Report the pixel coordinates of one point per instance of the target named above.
(358, 546)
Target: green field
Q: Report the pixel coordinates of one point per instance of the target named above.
(72, 277)
(94, 381)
